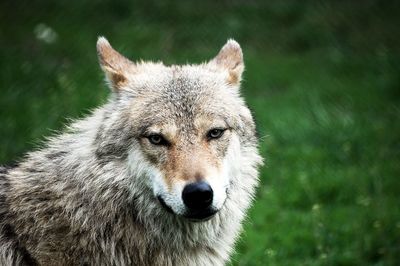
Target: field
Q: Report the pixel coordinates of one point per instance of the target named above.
(323, 81)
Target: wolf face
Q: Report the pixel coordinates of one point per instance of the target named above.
(187, 126)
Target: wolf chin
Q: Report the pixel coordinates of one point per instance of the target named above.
(162, 174)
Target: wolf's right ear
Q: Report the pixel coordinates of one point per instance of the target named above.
(115, 66)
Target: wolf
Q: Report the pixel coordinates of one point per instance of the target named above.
(161, 174)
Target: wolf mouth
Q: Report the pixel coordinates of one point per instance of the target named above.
(166, 207)
(191, 215)
(200, 216)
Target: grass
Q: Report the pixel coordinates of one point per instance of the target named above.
(322, 80)
(330, 190)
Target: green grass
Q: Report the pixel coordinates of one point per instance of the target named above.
(322, 80)
(330, 190)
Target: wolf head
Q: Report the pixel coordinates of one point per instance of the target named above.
(184, 129)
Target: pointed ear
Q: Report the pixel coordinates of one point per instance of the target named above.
(115, 66)
(230, 58)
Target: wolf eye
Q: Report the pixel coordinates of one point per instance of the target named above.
(215, 133)
(157, 139)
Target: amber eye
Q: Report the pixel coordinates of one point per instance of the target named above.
(215, 133)
(157, 139)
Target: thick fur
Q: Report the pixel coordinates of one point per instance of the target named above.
(86, 197)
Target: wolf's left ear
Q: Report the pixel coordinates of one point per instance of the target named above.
(115, 66)
(230, 58)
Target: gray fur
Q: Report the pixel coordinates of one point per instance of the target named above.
(84, 199)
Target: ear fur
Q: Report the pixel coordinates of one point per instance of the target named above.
(115, 66)
(230, 58)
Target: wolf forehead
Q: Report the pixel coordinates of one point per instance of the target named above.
(182, 103)
(181, 93)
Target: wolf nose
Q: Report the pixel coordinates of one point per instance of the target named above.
(197, 195)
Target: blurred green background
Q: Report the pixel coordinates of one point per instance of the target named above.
(322, 77)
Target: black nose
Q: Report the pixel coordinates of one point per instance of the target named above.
(197, 195)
